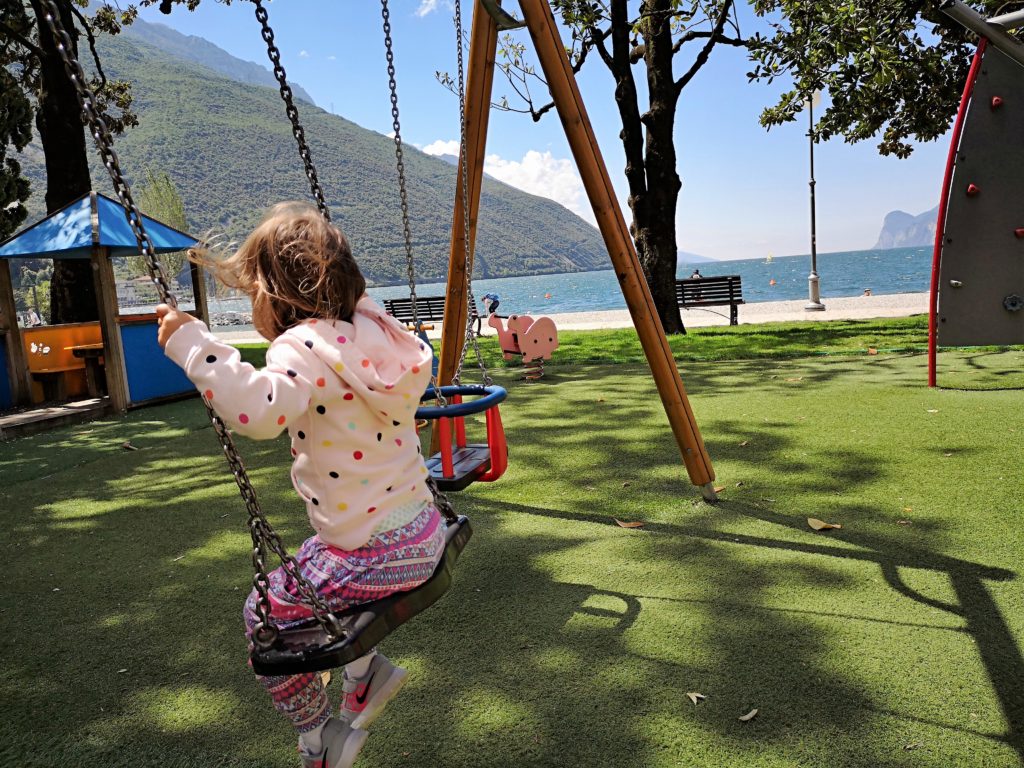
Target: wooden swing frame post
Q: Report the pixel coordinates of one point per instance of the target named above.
(564, 91)
(483, 47)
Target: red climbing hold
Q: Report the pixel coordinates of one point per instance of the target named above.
(997, 102)
(972, 190)
(1019, 233)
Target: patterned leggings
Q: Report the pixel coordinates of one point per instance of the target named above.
(390, 562)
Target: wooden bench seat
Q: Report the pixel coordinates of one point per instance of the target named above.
(429, 309)
(715, 291)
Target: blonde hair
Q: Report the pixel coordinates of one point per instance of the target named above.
(294, 266)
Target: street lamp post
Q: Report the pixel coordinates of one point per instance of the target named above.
(813, 288)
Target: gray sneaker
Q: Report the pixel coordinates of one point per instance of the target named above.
(363, 698)
(341, 742)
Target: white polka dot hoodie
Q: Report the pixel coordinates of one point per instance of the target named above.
(347, 393)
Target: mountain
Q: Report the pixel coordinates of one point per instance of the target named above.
(902, 230)
(205, 53)
(685, 257)
(229, 148)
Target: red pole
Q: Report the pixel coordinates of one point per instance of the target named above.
(940, 226)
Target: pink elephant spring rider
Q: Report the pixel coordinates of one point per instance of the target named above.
(533, 340)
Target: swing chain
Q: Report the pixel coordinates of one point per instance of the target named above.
(399, 159)
(264, 537)
(441, 501)
(290, 109)
(403, 194)
(263, 534)
(470, 337)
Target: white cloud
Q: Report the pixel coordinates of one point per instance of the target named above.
(441, 147)
(303, 54)
(539, 173)
(426, 6)
(332, 57)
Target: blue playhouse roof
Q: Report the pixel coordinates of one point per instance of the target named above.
(71, 233)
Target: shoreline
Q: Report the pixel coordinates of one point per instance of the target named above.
(838, 308)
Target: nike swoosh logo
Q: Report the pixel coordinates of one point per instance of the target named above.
(366, 690)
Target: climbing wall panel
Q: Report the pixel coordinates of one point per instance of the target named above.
(981, 273)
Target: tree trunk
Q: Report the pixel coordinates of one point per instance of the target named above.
(652, 191)
(655, 222)
(58, 119)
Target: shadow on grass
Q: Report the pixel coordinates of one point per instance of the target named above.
(551, 648)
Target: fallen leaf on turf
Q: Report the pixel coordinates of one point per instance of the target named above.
(947, 455)
(739, 484)
(600, 399)
(626, 484)
(798, 378)
(121, 671)
(590, 488)
(908, 509)
(872, 351)
(719, 488)
(749, 716)
(933, 410)
(695, 697)
(127, 445)
(915, 745)
(821, 525)
(624, 524)
(744, 444)
(903, 522)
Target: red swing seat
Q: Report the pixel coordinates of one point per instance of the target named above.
(460, 463)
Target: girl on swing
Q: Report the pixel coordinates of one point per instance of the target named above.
(344, 379)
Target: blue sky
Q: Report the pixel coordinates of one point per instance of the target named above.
(745, 191)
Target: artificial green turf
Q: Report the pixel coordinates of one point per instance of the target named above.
(741, 342)
(566, 640)
(976, 368)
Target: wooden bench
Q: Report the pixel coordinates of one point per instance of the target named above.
(715, 291)
(430, 309)
(57, 373)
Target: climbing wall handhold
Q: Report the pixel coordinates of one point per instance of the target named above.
(997, 102)
(972, 190)
(1019, 233)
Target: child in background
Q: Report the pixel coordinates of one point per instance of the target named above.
(344, 379)
(491, 301)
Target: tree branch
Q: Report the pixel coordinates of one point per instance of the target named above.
(627, 101)
(23, 41)
(537, 114)
(597, 38)
(702, 57)
(92, 43)
(740, 42)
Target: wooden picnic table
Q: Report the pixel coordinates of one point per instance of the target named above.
(92, 354)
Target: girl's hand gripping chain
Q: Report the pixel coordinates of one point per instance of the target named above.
(169, 320)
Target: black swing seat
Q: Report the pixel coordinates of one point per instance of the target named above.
(470, 463)
(306, 647)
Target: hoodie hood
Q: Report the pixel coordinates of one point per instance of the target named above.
(374, 356)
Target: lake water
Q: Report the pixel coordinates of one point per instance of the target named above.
(847, 273)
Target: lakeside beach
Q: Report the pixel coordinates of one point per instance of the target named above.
(840, 308)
